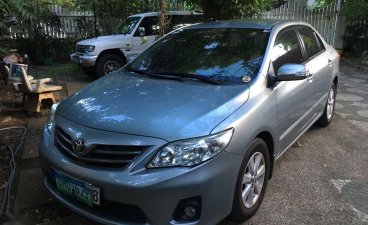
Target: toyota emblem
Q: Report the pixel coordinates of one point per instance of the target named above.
(80, 145)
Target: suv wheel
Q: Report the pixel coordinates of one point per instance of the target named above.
(108, 63)
(252, 181)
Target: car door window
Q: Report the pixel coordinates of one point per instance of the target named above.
(150, 25)
(310, 41)
(287, 49)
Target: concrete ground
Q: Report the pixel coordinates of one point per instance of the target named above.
(323, 181)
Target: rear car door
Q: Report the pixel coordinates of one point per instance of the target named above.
(151, 29)
(294, 98)
(318, 63)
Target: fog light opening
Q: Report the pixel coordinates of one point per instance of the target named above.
(188, 210)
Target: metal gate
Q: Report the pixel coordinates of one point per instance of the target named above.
(325, 19)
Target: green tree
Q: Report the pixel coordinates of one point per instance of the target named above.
(111, 12)
(12, 8)
(230, 9)
(356, 10)
(322, 3)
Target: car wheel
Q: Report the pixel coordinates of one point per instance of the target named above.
(328, 113)
(108, 63)
(252, 181)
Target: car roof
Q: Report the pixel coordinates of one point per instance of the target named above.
(168, 13)
(244, 23)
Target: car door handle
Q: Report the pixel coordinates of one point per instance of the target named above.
(330, 63)
(310, 76)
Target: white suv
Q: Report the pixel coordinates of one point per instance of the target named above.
(102, 55)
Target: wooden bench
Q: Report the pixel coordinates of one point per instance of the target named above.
(37, 91)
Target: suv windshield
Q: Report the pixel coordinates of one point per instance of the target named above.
(127, 26)
(224, 55)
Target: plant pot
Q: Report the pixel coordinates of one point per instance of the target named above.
(47, 61)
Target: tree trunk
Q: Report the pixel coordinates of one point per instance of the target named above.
(163, 22)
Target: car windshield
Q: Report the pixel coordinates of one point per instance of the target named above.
(127, 26)
(223, 55)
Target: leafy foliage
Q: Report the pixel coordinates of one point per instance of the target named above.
(230, 9)
(110, 12)
(322, 3)
(356, 10)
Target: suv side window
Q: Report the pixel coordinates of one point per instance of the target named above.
(287, 49)
(150, 25)
(310, 41)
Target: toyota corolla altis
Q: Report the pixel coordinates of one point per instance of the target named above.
(189, 131)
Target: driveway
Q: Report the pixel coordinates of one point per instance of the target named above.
(325, 179)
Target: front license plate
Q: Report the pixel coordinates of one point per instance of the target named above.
(77, 189)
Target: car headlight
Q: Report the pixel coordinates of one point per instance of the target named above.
(89, 48)
(191, 152)
(51, 119)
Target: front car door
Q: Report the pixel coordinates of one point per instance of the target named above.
(140, 43)
(294, 98)
(318, 64)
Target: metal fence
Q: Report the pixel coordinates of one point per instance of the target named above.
(63, 23)
(325, 19)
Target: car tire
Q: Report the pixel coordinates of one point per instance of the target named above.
(108, 63)
(244, 208)
(328, 113)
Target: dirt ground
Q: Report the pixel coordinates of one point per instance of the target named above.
(12, 114)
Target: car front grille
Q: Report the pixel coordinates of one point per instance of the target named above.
(105, 156)
(80, 49)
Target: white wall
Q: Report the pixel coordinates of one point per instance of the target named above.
(311, 2)
(305, 2)
(302, 2)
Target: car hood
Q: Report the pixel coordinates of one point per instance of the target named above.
(167, 109)
(103, 39)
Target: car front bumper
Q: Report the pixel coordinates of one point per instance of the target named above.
(156, 192)
(83, 60)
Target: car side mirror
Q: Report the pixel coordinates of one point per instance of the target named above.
(290, 72)
(142, 31)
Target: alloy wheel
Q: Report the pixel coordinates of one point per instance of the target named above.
(253, 179)
(330, 103)
(110, 66)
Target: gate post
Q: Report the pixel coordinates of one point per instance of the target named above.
(340, 26)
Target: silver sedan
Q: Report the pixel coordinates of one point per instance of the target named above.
(190, 130)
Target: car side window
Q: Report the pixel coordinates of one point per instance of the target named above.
(287, 49)
(150, 25)
(310, 41)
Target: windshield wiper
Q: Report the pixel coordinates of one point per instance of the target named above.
(173, 75)
(130, 69)
(159, 76)
(188, 75)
